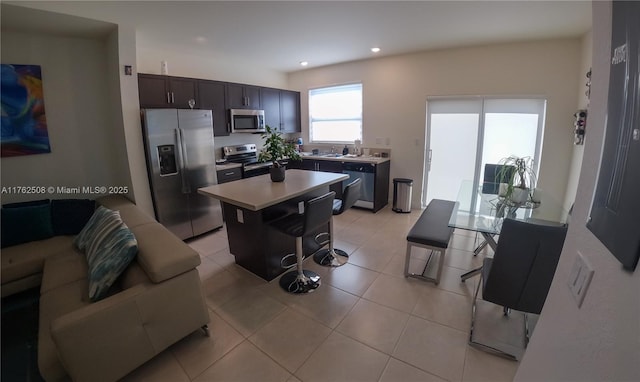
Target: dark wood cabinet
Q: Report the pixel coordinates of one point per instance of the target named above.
(229, 175)
(271, 107)
(325, 166)
(281, 107)
(243, 96)
(376, 179)
(153, 91)
(162, 91)
(211, 96)
(290, 112)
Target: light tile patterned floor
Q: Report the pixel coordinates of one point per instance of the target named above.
(367, 322)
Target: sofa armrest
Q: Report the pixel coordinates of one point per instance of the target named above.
(108, 339)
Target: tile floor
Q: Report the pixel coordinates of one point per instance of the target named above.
(367, 322)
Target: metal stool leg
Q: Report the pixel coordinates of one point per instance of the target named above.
(331, 257)
(300, 280)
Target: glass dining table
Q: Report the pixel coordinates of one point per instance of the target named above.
(484, 213)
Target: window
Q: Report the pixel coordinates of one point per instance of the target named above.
(335, 114)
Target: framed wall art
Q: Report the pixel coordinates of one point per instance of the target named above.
(24, 123)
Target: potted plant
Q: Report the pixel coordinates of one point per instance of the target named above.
(274, 150)
(517, 178)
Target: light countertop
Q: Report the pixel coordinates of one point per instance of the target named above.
(347, 158)
(260, 192)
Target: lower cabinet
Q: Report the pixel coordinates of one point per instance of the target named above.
(229, 175)
(375, 179)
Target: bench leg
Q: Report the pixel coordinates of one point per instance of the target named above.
(407, 259)
(441, 252)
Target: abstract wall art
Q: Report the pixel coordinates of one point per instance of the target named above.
(24, 124)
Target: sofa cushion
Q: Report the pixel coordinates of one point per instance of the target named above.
(53, 304)
(25, 223)
(161, 254)
(69, 216)
(108, 260)
(101, 223)
(28, 259)
(129, 212)
(63, 268)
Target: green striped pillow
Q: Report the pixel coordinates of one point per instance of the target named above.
(109, 246)
(109, 260)
(101, 223)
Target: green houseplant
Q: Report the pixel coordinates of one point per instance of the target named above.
(517, 178)
(274, 150)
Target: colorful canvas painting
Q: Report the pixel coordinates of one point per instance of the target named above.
(24, 124)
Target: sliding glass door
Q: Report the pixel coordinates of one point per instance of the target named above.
(465, 134)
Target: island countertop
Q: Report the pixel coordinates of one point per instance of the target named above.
(260, 192)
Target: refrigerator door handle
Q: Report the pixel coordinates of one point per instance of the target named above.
(183, 162)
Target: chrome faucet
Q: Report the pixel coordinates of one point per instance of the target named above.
(333, 149)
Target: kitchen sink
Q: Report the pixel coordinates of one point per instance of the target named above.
(335, 155)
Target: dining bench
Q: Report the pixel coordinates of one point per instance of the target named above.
(432, 232)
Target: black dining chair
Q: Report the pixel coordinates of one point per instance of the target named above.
(317, 212)
(519, 275)
(334, 257)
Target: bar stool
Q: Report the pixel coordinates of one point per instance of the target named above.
(333, 257)
(317, 212)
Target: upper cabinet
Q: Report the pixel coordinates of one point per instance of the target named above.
(243, 96)
(271, 107)
(290, 111)
(163, 91)
(211, 97)
(281, 107)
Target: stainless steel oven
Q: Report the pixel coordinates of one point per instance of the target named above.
(247, 155)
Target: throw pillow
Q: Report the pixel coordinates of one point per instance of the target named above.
(69, 216)
(108, 260)
(101, 223)
(25, 224)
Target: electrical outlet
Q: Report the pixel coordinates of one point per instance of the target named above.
(239, 215)
(579, 279)
(300, 207)
(378, 140)
(387, 141)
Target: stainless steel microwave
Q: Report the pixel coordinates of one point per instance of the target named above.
(247, 121)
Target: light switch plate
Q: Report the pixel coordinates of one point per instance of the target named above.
(239, 215)
(580, 278)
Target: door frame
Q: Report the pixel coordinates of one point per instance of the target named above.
(537, 159)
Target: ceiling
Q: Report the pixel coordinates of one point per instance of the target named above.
(280, 34)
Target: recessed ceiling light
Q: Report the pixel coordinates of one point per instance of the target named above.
(375, 50)
(304, 63)
(201, 39)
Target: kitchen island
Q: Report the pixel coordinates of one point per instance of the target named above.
(250, 204)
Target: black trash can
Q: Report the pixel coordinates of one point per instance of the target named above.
(402, 194)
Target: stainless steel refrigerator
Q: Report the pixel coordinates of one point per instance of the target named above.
(180, 159)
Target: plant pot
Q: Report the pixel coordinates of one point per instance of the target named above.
(277, 173)
(503, 189)
(520, 195)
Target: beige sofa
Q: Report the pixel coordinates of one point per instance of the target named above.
(157, 301)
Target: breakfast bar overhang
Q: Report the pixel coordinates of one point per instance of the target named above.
(250, 204)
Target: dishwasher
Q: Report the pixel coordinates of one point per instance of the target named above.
(366, 172)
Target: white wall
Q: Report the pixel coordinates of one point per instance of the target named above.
(123, 42)
(78, 112)
(212, 66)
(601, 340)
(395, 90)
(583, 102)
